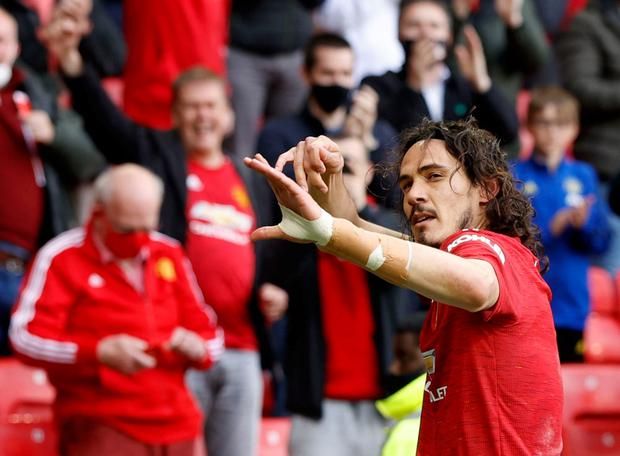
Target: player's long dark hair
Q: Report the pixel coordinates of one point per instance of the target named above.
(484, 163)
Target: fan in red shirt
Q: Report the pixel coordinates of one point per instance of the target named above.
(493, 375)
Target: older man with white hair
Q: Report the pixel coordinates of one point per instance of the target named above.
(114, 315)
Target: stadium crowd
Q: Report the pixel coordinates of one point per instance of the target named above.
(127, 266)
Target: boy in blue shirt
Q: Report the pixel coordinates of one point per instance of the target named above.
(569, 212)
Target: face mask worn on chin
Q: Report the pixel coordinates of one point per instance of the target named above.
(330, 97)
(6, 72)
(126, 245)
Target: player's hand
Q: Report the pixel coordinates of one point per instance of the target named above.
(273, 301)
(188, 344)
(289, 195)
(313, 160)
(124, 353)
(471, 61)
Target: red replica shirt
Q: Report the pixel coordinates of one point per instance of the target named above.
(220, 220)
(72, 298)
(493, 385)
(351, 365)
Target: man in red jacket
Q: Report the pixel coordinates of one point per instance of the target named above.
(113, 312)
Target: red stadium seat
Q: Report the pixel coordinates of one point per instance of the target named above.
(26, 417)
(603, 297)
(591, 423)
(602, 340)
(602, 330)
(274, 436)
(617, 284)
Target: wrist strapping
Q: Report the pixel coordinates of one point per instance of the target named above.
(318, 231)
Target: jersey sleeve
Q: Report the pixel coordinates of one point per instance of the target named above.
(195, 314)
(38, 330)
(480, 246)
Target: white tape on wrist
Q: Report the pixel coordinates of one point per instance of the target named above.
(318, 231)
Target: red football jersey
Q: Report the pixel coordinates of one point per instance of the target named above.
(493, 385)
(220, 219)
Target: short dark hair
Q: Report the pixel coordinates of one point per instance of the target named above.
(196, 73)
(541, 97)
(477, 151)
(330, 40)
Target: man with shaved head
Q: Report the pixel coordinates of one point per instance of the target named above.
(113, 313)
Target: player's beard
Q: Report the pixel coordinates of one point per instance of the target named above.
(465, 221)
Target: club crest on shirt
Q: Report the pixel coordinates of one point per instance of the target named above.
(572, 185)
(164, 269)
(429, 361)
(574, 192)
(530, 188)
(241, 197)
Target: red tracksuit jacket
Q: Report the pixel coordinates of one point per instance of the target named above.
(72, 298)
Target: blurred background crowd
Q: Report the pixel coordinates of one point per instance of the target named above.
(187, 88)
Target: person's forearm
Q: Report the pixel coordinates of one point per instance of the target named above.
(339, 203)
(450, 279)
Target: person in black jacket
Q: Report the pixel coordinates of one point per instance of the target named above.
(341, 321)
(211, 205)
(427, 86)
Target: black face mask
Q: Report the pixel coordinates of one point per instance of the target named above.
(407, 45)
(331, 97)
